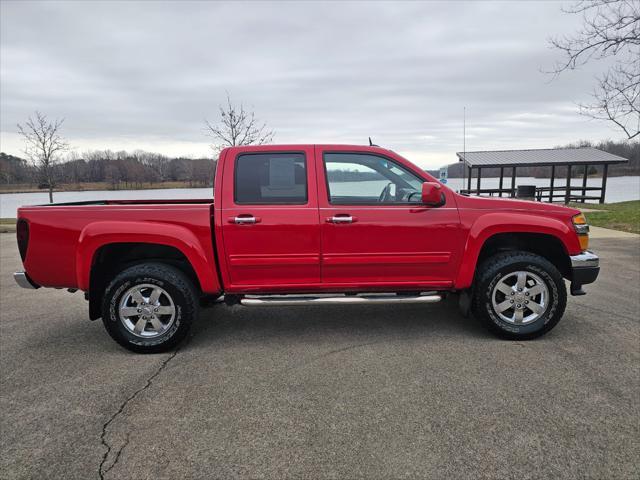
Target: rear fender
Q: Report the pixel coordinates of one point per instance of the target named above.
(99, 234)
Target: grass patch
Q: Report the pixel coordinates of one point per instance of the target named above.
(7, 225)
(623, 216)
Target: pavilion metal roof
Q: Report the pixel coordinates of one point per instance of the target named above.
(539, 157)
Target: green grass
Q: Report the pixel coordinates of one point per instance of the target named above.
(7, 225)
(623, 216)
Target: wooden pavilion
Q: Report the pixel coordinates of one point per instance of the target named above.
(555, 158)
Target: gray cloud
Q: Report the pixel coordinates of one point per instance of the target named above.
(146, 74)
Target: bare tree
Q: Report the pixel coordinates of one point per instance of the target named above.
(43, 145)
(611, 29)
(236, 127)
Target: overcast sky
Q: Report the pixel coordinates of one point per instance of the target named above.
(129, 75)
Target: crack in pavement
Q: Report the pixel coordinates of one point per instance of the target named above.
(117, 457)
(101, 470)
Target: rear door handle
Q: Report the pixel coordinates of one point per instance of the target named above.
(244, 220)
(341, 219)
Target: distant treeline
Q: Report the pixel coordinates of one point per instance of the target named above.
(119, 169)
(626, 149)
(135, 169)
(353, 176)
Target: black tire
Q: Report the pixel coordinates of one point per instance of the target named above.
(177, 287)
(499, 267)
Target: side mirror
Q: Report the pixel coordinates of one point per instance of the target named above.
(432, 194)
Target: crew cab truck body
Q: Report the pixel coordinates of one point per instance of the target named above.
(299, 224)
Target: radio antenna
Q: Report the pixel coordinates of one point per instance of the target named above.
(464, 145)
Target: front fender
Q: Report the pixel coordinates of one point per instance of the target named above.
(495, 223)
(99, 234)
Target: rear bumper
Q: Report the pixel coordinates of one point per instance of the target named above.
(585, 268)
(24, 281)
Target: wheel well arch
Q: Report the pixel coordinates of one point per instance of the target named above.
(545, 245)
(112, 258)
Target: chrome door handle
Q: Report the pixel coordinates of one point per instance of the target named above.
(244, 220)
(341, 219)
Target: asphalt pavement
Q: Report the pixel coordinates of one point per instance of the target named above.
(324, 391)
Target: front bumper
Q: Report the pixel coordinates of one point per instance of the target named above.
(24, 281)
(585, 268)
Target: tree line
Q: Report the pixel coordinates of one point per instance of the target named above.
(121, 170)
(50, 162)
(124, 170)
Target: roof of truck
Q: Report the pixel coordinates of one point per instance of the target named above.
(272, 146)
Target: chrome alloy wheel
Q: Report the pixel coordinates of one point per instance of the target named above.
(520, 297)
(147, 310)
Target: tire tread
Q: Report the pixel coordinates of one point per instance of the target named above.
(164, 272)
(491, 266)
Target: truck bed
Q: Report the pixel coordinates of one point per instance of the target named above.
(61, 233)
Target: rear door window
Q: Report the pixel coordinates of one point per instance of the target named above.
(271, 178)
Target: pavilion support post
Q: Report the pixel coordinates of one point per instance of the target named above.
(478, 181)
(469, 181)
(501, 179)
(584, 182)
(567, 192)
(604, 182)
(553, 178)
(513, 181)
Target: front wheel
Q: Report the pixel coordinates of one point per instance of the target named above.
(149, 308)
(519, 295)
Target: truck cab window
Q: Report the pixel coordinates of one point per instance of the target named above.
(270, 178)
(354, 178)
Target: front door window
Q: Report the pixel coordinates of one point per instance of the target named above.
(361, 179)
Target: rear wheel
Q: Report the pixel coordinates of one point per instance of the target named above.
(149, 308)
(519, 295)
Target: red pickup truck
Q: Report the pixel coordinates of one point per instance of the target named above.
(308, 224)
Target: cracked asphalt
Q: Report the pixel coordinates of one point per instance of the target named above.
(324, 392)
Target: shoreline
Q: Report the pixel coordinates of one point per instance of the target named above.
(97, 187)
(107, 187)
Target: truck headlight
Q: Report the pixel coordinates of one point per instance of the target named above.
(582, 229)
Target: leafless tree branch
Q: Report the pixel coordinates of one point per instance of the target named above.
(237, 126)
(43, 145)
(611, 28)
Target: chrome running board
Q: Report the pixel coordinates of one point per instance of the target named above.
(24, 281)
(290, 300)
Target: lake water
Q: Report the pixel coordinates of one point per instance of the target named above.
(619, 189)
(9, 202)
